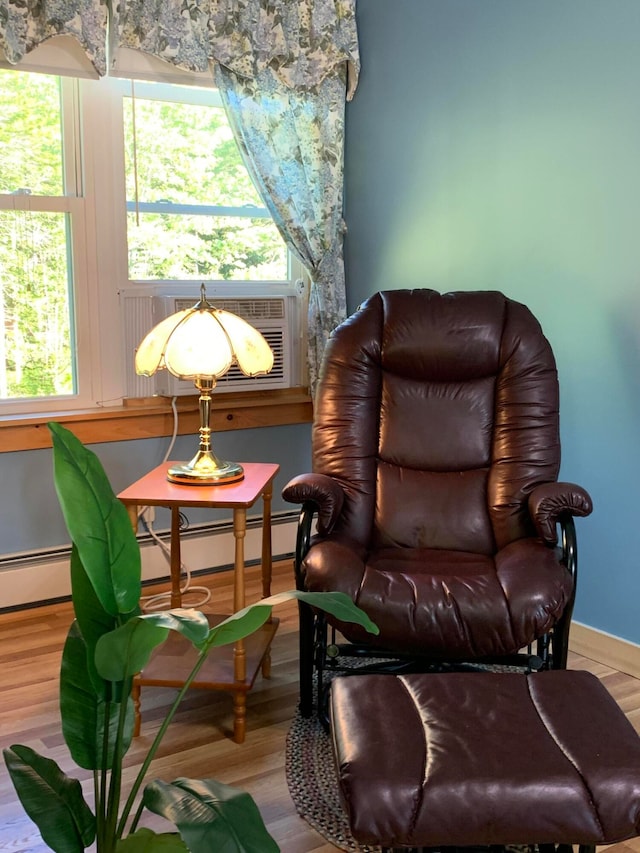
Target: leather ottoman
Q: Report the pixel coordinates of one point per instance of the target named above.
(476, 759)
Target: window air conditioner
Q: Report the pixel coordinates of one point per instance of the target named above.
(143, 307)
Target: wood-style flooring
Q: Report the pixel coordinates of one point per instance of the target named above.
(198, 743)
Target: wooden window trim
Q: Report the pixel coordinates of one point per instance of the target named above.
(153, 417)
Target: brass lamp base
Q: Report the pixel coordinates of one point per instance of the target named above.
(205, 470)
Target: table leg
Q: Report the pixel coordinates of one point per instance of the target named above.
(132, 511)
(239, 533)
(239, 716)
(266, 541)
(176, 559)
(266, 563)
(239, 651)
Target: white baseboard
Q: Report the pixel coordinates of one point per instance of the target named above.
(605, 648)
(27, 583)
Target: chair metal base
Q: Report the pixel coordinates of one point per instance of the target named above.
(531, 848)
(322, 658)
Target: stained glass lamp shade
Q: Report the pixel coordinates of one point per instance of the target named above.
(201, 344)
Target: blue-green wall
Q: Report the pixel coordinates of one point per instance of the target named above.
(495, 144)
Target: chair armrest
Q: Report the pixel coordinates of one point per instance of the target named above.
(319, 489)
(549, 502)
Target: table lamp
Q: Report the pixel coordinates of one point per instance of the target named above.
(201, 343)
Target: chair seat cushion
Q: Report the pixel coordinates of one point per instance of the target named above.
(462, 759)
(442, 603)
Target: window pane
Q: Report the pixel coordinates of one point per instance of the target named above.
(30, 134)
(196, 247)
(35, 314)
(185, 154)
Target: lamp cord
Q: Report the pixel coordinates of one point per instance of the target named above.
(162, 600)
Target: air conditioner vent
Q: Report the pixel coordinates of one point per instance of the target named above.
(275, 339)
(251, 309)
(271, 315)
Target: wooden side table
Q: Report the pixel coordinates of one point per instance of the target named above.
(172, 662)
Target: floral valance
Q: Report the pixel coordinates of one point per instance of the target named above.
(301, 41)
(25, 24)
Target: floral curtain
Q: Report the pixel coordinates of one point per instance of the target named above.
(292, 143)
(285, 69)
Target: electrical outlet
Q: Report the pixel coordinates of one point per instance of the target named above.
(149, 515)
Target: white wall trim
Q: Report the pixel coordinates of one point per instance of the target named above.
(27, 583)
(604, 648)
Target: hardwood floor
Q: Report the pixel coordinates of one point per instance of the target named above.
(198, 743)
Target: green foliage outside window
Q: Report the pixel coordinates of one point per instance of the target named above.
(37, 331)
(176, 154)
(179, 153)
(36, 342)
(30, 134)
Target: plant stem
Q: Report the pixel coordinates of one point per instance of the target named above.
(154, 747)
(101, 784)
(116, 770)
(96, 799)
(137, 816)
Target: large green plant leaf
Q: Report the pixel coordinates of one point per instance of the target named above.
(191, 623)
(238, 625)
(338, 604)
(126, 651)
(98, 523)
(91, 617)
(93, 620)
(147, 841)
(53, 801)
(211, 817)
(84, 709)
(250, 618)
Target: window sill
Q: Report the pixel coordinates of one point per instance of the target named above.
(154, 417)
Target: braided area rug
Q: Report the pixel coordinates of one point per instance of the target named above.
(313, 783)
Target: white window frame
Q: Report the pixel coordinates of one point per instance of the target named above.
(96, 202)
(73, 204)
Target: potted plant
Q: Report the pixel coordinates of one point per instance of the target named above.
(109, 641)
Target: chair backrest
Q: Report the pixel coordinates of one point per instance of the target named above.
(438, 413)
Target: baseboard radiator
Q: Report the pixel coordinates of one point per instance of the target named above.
(32, 579)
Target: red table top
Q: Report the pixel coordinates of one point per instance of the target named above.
(155, 490)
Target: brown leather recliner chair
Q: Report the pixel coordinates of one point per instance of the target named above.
(435, 462)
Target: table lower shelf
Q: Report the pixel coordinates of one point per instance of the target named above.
(172, 663)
